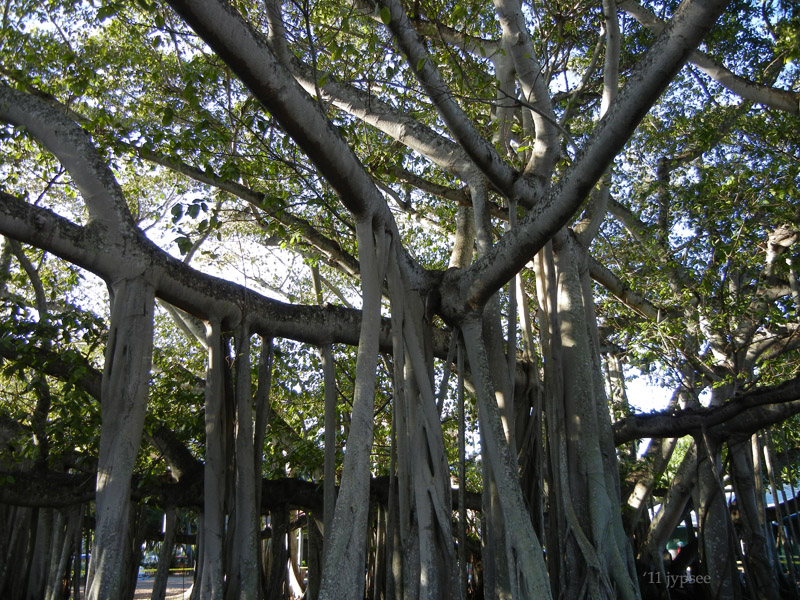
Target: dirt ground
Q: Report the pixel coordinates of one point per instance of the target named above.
(177, 588)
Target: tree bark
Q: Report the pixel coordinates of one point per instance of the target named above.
(759, 567)
(585, 501)
(212, 571)
(526, 569)
(245, 540)
(343, 567)
(124, 400)
(715, 528)
(165, 555)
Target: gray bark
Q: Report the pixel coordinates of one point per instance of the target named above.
(165, 555)
(760, 569)
(785, 100)
(124, 400)
(673, 507)
(526, 569)
(210, 586)
(343, 566)
(475, 286)
(715, 528)
(593, 478)
(245, 540)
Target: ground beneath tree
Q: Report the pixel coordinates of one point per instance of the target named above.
(177, 588)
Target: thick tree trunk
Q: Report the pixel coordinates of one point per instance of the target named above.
(760, 569)
(212, 570)
(526, 569)
(123, 405)
(244, 565)
(717, 552)
(423, 472)
(585, 503)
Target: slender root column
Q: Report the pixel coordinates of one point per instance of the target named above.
(527, 570)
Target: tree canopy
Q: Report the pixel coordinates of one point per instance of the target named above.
(377, 272)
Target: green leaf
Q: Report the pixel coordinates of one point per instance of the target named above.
(386, 15)
(109, 10)
(184, 244)
(167, 117)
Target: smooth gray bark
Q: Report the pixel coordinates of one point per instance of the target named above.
(165, 555)
(245, 540)
(592, 476)
(345, 558)
(124, 401)
(760, 568)
(526, 569)
(717, 552)
(210, 586)
(475, 286)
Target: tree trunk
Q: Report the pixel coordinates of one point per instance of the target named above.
(423, 471)
(345, 558)
(526, 569)
(65, 525)
(20, 523)
(717, 552)
(212, 570)
(597, 559)
(165, 555)
(123, 405)
(133, 555)
(245, 539)
(43, 548)
(314, 559)
(760, 569)
(278, 555)
(673, 508)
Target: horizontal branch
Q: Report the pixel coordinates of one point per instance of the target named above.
(37, 488)
(743, 415)
(199, 294)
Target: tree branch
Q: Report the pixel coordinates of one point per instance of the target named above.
(197, 293)
(74, 148)
(772, 97)
(249, 55)
(472, 288)
(742, 414)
